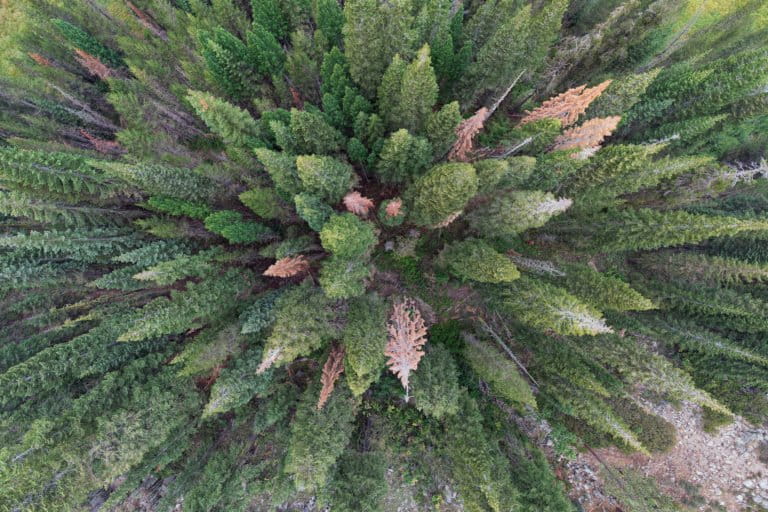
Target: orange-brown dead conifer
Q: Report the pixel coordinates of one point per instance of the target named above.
(288, 267)
(394, 207)
(407, 336)
(93, 64)
(357, 203)
(465, 135)
(568, 106)
(589, 135)
(331, 371)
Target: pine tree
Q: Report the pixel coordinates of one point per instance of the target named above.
(288, 267)
(263, 202)
(515, 212)
(631, 179)
(87, 43)
(174, 206)
(473, 259)
(318, 437)
(556, 309)
(290, 338)
(392, 212)
(403, 158)
(695, 339)
(693, 267)
(485, 77)
(269, 15)
(342, 101)
(465, 135)
(172, 315)
(231, 225)
(408, 92)
(346, 236)
(358, 482)
(365, 337)
(588, 137)
(481, 474)
(651, 229)
(373, 34)
(201, 264)
(343, 278)
(163, 180)
(325, 177)
(219, 259)
(283, 171)
(358, 204)
(63, 175)
(567, 106)
(313, 135)
(236, 385)
(330, 20)
(442, 192)
(435, 384)
(407, 335)
(500, 373)
(313, 210)
(332, 370)
(717, 307)
(229, 62)
(441, 128)
(602, 291)
(234, 125)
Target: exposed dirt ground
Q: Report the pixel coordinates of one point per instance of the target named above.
(724, 466)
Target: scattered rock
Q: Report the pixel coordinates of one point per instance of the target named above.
(722, 466)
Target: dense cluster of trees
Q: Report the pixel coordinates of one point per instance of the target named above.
(265, 251)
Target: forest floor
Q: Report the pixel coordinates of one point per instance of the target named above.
(704, 472)
(707, 472)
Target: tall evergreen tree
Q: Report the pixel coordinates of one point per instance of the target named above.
(221, 221)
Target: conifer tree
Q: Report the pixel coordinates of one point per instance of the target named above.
(365, 337)
(229, 62)
(358, 482)
(408, 92)
(330, 20)
(558, 310)
(283, 171)
(435, 385)
(233, 232)
(324, 176)
(313, 210)
(290, 337)
(373, 34)
(86, 42)
(693, 267)
(318, 437)
(481, 474)
(604, 292)
(312, 134)
(343, 278)
(269, 15)
(500, 373)
(651, 229)
(403, 157)
(514, 213)
(231, 225)
(473, 259)
(442, 192)
(234, 125)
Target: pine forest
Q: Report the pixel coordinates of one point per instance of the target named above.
(383, 255)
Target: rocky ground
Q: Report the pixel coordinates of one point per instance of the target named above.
(723, 467)
(715, 472)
